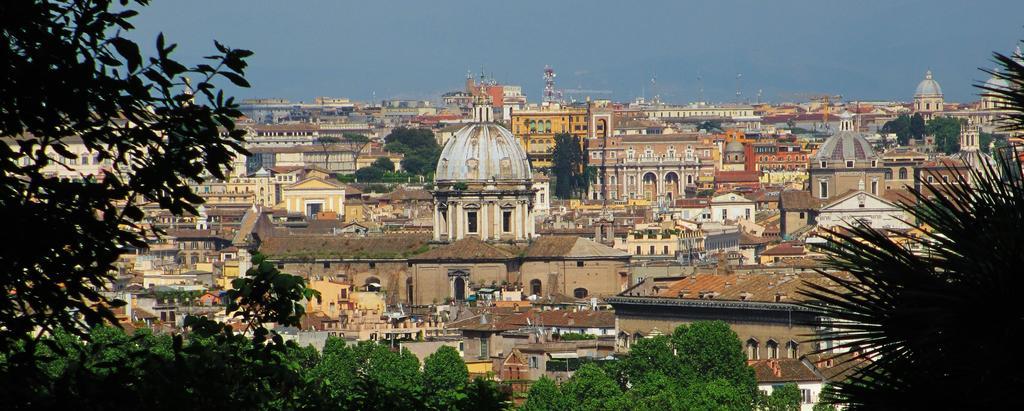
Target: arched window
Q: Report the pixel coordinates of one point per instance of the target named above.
(372, 284)
(792, 349)
(903, 173)
(773, 349)
(580, 293)
(460, 289)
(535, 287)
(752, 353)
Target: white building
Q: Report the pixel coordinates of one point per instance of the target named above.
(863, 207)
(732, 207)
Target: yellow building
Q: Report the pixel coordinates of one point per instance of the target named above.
(536, 129)
(313, 196)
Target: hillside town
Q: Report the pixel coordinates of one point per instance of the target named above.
(482, 247)
(424, 225)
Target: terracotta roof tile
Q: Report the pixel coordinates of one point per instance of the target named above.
(467, 249)
(312, 246)
(782, 370)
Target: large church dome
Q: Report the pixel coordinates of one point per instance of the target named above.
(482, 151)
(846, 144)
(928, 86)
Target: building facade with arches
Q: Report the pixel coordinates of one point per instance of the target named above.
(652, 167)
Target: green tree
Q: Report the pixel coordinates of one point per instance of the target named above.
(326, 142)
(910, 305)
(419, 147)
(783, 398)
(355, 138)
(590, 388)
(544, 395)
(390, 380)
(369, 174)
(713, 126)
(711, 350)
(917, 129)
(987, 140)
(568, 167)
(716, 394)
(70, 73)
(384, 164)
(946, 131)
(445, 376)
(335, 377)
(649, 356)
(899, 126)
(655, 391)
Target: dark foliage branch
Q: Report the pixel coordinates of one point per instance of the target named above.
(935, 313)
(1012, 97)
(68, 74)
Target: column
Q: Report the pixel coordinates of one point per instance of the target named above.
(482, 221)
(498, 219)
(518, 215)
(437, 227)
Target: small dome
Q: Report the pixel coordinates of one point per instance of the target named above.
(734, 147)
(480, 152)
(997, 83)
(845, 145)
(928, 86)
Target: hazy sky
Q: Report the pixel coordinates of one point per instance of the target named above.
(860, 49)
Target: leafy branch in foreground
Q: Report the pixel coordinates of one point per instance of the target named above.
(151, 125)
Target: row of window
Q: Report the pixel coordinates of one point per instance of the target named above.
(754, 353)
(780, 158)
(472, 225)
(850, 163)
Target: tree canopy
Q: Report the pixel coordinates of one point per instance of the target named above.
(946, 131)
(70, 74)
(384, 164)
(905, 127)
(419, 147)
(700, 366)
(569, 166)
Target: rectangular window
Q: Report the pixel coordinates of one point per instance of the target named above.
(471, 222)
(579, 264)
(506, 221)
(652, 250)
(823, 189)
(849, 164)
(485, 348)
(874, 187)
(666, 250)
(327, 265)
(805, 396)
(725, 214)
(638, 250)
(747, 211)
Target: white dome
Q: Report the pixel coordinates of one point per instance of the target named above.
(928, 86)
(481, 152)
(845, 145)
(997, 83)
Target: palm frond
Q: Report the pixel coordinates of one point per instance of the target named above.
(938, 314)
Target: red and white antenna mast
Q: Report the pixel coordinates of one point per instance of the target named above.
(551, 95)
